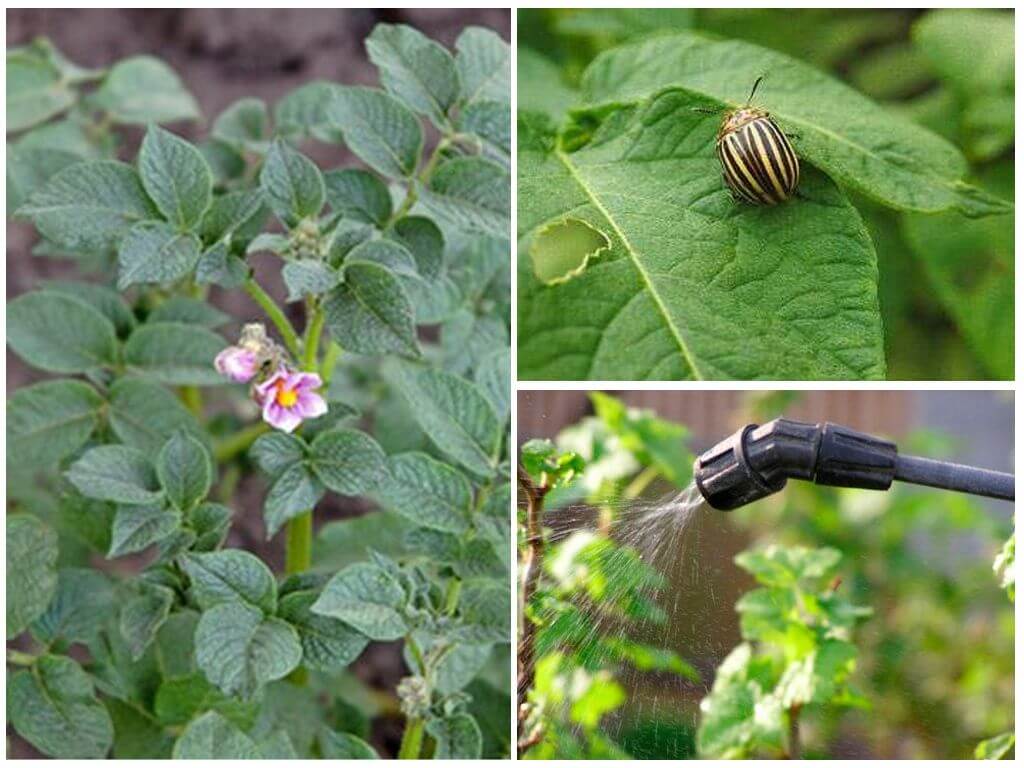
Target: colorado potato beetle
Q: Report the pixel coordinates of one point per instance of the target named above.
(758, 162)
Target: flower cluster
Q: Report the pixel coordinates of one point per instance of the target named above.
(287, 397)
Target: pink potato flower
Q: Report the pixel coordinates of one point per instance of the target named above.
(289, 397)
(237, 363)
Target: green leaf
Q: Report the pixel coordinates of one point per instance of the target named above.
(212, 737)
(484, 63)
(427, 492)
(292, 183)
(185, 469)
(143, 89)
(138, 526)
(176, 177)
(308, 278)
(243, 125)
(344, 746)
(694, 286)
(996, 748)
(276, 451)
(785, 566)
(414, 68)
(58, 333)
(294, 492)
(180, 699)
(143, 615)
(183, 309)
(370, 312)
(857, 142)
(35, 90)
(30, 168)
(466, 338)
(484, 609)
(471, 194)
(490, 121)
(79, 609)
(379, 130)
(50, 421)
(457, 418)
(277, 746)
(218, 266)
(211, 522)
(493, 377)
(234, 217)
(655, 442)
(154, 252)
(420, 237)
(115, 473)
(366, 597)
(136, 735)
(31, 570)
(343, 542)
(328, 645)
(303, 112)
(175, 353)
(53, 706)
(230, 575)
(358, 196)
(144, 415)
(541, 86)
(347, 461)
(239, 650)
(89, 206)
(457, 736)
(100, 297)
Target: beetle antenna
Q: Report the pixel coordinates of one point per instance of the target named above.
(754, 89)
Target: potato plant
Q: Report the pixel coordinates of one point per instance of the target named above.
(135, 626)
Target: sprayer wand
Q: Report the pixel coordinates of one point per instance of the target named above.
(757, 461)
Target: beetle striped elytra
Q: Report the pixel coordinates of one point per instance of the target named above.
(758, 162)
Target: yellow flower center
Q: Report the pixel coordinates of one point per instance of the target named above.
(286, 397)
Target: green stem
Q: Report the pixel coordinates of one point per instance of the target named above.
(330, 360)
(20, 658)
(412, 739)
(193, 400)
(311, 345)
(298, 554)
(239, 442)
(276, 315)
(411, 195)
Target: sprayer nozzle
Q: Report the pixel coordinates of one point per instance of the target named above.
(757, 461)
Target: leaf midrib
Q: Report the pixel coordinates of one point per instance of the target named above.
(635, 259)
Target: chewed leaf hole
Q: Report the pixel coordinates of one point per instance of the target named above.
(562, 250)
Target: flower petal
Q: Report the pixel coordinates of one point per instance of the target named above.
(304, 381)
(310, 405)
(236, 363)
(285, 419)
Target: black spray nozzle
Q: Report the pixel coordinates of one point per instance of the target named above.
(757, 461)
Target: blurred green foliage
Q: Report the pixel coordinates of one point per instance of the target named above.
(946, 281)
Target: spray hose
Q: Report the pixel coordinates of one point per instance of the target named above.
(757, 461)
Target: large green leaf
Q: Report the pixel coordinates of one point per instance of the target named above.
(144, 415)
(358, 195)
(457, 736)
(49, 421)
(239, 650)
(185, 469)
(328, 644)
(59, 333)
(366, 597)
(54, 707)
(370, 312)
(138, 526)
(175, 353)
(295, 491)
(231, 575)
(89, 205)
(213, 737)
(484, 63)
(31, 570)
(35, 89)
(79, 610)
(142, 90)
(292, 184)
(427, 492)
(471, 194)
(457, 418)
(848, 136)
(155, 252)
(415, 69)
(115, 473)
(176, 177)
(694, 286)
(378, 129)
(347, 461)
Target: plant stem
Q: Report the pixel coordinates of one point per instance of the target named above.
(239, 442)
(451, 598)
(412, 739)
(793, 743)
(532, 565)
(20, 658)
(411, 194)
(193, 400)
(298, 554)
(311, 344)
(330, 360)
(276, 315)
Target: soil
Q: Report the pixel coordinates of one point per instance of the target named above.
(223, 55)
